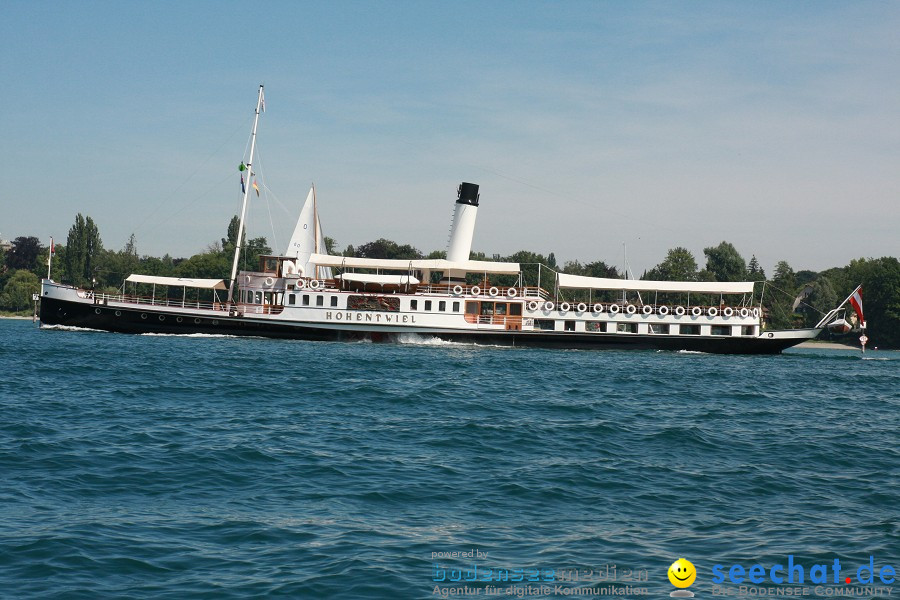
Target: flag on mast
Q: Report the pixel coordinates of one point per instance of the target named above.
(256, 187)
(243, 190)
(856, 301)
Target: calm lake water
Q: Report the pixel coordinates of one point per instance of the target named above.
(215, 467)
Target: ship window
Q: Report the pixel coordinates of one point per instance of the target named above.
(595, 326)
(334, 301)
(690, 330)
(659, 328)
(442, 306)
(471, 308)
(456, 307)
(515, 309)
(291, 298)
(748, 330)
(720, 330)
(500, 308)
(413, 305)
(487, 308)
(570, 325)
(259, 297)
(428, 305)
(320, 300)
(544, 324)
(627, 327)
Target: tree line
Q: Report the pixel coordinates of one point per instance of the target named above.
(790, 298)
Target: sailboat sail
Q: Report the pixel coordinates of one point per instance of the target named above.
(308, 239)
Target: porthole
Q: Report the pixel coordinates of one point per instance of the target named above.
(118, 313)
(143, 315)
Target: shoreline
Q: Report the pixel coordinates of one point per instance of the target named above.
(831, 345)
(13, 317)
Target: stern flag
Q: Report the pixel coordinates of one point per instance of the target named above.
(256, 187)
(243, 190)
(856, 301)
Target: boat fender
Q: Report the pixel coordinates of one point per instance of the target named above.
(712, 311)
(548, 306)
(476, 291)
(728, 312)
(696, 311)
(494, 291)
(631, 309)
(581, 307)
(679, 310)
(647, 309)
(745, 313)
(756, 313)
(512, 292)
(458, 290)
(663, 310)
(598, 308)
(614, 308)
(532, 305)
(564, 307)
(269, 281)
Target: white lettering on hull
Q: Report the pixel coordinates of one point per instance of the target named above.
(368, 317)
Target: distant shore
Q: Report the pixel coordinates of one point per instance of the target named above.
(13, 317)
(832, 345)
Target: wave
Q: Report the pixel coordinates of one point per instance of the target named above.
(71, 328)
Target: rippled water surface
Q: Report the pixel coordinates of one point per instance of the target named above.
(205, 467)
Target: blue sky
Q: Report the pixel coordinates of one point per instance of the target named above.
(773, 125)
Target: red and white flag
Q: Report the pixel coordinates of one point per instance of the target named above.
(856, 301)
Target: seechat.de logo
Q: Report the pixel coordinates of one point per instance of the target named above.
(792, 572)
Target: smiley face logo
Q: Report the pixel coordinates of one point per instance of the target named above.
(682, 573)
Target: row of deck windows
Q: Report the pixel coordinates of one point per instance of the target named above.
(652, 328)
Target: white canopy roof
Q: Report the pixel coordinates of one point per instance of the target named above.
(638, 285)
(206, 284)
(380, 279)
(438, 264)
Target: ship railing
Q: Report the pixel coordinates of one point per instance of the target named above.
(494, 319)
(162, 302)
(507, 292)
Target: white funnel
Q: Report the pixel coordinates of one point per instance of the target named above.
(463, 229)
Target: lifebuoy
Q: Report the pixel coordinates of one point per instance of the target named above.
(458, 290)
(493, 292)
(598, 308)
(679, 310)
(614, 308)
(728, 312)
(269, 281)
(301, 283)
(564, 307)
(756, 313)
(745, 313)
(712, 311)
(315, 284)
(475, 290)
(631, 309)
(512, 292)
(663, 310)
(696, 311)
(548, 306)
(581, 307)
(532, 305)
(647, 309)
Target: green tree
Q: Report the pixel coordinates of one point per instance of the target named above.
(83, 247)
(19, 290)
(780, 295)
(383, 248)
(820, 300)
(880, 279)
(24, 253)
(754, 271)
(725, 263)
(679, 265)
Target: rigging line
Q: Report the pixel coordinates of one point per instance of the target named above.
(189, 177)
(268, 204)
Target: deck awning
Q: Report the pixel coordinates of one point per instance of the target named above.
(639, 285)
(378, 279)
(204, 284)
(437, 264)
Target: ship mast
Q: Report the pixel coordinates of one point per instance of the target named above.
(240, 234)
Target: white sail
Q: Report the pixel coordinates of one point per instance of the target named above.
(308, 240)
